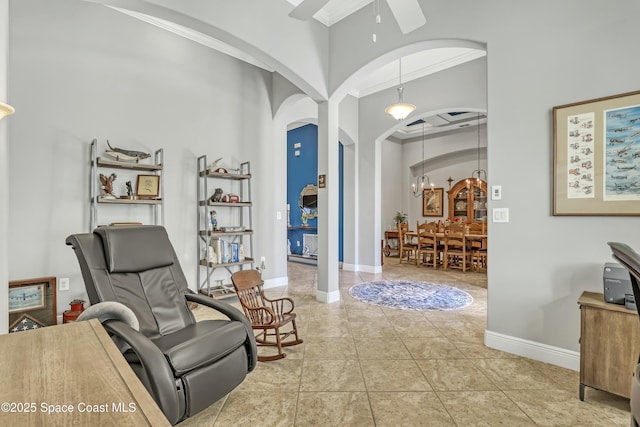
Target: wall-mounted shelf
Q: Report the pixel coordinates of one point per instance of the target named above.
(155, 168)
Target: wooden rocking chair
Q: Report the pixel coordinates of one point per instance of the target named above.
(266, 315)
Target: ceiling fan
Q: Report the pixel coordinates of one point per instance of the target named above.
(407, 13)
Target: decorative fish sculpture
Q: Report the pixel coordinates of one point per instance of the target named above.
(126, 155)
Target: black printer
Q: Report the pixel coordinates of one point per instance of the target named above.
(617, 284)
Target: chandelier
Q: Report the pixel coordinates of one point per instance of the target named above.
(478, 173)
(423, 180)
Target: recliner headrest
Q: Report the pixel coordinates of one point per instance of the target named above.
(136, 248)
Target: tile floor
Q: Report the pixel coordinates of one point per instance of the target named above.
(363, 365)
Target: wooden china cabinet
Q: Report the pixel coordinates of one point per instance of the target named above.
(468, 200)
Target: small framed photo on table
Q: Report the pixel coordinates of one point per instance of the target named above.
(148, 186)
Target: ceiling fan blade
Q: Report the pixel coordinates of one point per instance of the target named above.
(307, 9)
(408, 14)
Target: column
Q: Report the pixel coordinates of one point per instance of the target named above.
(328, 126)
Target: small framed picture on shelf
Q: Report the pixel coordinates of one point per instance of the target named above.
(148, 186)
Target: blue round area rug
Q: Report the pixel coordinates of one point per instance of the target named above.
(411, 295)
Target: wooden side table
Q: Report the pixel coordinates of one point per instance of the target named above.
(609, 345)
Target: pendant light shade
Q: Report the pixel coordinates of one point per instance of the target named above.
(6, 110)
(400, 110)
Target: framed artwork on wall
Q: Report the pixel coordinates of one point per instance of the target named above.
(33, 300)
(432, 201)
(596, 156)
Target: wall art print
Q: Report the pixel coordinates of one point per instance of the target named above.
(596, 168)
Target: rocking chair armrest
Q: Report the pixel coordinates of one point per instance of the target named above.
(278, 304)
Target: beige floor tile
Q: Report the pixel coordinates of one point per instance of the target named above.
(272, 376)
(432, 348)
(330, 348)
(515, 374)
(330, 409)
(338, 327)
(483, 408)
(558, 408)
(379, 328)
(408, 409)
(380, 348)
(332, 375)
(249, 408)
(454, 375)
(393, 375)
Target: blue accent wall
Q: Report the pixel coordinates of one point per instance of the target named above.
(303, 170)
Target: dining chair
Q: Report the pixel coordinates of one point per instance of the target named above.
(405, 245)
(455, 248)
(428, 247)
(478, 247)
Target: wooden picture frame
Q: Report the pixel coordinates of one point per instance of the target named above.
(36, 297)
(433, 202)
(148, 186)
(596, 156)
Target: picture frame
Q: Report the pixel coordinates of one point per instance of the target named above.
(433, 202)
(35, 297)
(596, 163)
(148, 186)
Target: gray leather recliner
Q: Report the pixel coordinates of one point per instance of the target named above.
(185, 365)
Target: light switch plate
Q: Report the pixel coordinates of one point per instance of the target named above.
(63, 284)
(500, 215)
(496, 192)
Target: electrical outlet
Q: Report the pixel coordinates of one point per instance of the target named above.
(298, 243)
(278, 215)
(63, 284)
(262, 260)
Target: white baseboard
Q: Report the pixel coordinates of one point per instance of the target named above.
(275, 282)
(363, 268)
(328, 297)
(533, 350)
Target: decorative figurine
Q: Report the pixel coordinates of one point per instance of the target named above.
(107, 185)
(121, 154)
(214, 221)
(217, 195)
(129, 188)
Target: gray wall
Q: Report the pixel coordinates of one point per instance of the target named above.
(81, 71)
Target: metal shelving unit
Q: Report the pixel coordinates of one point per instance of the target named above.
(241, 233)
(156, 168)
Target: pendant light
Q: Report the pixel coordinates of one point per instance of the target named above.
(400, 110)
(423, 180)
(477, 174)
(6, 110)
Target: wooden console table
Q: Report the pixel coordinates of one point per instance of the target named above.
(71, 374)
(609, 345)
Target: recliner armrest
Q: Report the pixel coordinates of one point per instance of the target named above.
(233, 314)
(160, 375)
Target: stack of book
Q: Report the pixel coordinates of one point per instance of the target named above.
(224, 251)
